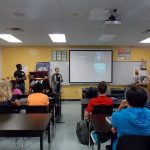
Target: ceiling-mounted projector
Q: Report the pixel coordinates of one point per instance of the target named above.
(112, 19)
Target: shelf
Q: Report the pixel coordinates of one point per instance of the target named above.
(36, 75)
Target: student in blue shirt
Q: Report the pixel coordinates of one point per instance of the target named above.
(135, 118)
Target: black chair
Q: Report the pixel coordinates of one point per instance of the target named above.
(37, 109)
(7, 109)
(132, 142)
(118, 93)
(100, 124)
(102, 109)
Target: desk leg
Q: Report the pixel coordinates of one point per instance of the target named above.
(99, 143)
(41, 142)
(82, 112)
(48, 128)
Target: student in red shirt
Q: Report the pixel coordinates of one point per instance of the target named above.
(102, 99)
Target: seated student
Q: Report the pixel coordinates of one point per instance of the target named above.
(6, 97)
(15, 90)
(101, 99)
(38, 98)
(135, 118)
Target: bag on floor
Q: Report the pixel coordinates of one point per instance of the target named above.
(82, 132)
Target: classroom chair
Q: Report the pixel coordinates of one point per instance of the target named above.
(132, 142)
(102, 109)
(37, 109)
(100, 124)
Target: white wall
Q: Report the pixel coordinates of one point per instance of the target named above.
(0, 62)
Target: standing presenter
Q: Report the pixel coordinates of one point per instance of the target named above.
(20, 78)
(56, 80)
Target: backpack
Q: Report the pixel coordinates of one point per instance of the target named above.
(82, 132)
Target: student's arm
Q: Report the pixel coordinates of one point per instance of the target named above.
(47, 103)
(61, 78)
(20, 79)
(123, 104)
(114, 130)
(25, 77)
(86, 115)
(88, 110)
(115, 122)
(53, 79)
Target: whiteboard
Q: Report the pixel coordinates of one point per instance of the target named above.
(123, 72)
(63, 70)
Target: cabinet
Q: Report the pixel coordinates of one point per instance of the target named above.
(37, 76)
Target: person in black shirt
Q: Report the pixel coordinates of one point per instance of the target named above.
(20, 78)
(56, 80)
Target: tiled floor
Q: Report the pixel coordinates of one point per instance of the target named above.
(65, 137)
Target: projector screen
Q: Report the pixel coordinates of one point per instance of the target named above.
(90, 66)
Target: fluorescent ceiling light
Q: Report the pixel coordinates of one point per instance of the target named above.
(145, 41)
(59, 38)
(9, 38)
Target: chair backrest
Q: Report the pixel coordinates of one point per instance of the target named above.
(101, 109)
(118, 93)
(131, 142)
(36, 109)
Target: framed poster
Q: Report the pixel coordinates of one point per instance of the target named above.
(64, 55)
(58, 57)
(42, 66)
(54, 55)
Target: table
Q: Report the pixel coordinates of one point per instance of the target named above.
(100, 125)
(25, 125)
(84, 104)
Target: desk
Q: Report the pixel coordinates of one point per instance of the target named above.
(100, 125)
(25, 125)
(84, 104)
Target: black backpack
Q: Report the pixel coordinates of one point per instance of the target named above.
(82, 132)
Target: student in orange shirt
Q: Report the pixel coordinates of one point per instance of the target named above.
(38, 98)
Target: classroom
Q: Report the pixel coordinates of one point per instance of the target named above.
(92, 29)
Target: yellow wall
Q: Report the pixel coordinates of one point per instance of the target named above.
(30, 55)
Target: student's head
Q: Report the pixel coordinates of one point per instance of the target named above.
(19, 67)
(91, 93)
(57, 70)
(102, 87)
(5, 90)
(38, 87)
(136, 96)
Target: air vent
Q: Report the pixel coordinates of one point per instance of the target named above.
(15, 29)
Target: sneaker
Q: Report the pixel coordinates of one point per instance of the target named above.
(94, 137)
(108, 147)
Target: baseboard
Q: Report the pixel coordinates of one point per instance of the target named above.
(70, 99)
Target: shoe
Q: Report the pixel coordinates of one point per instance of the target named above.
(108, 147)
(94, 137)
